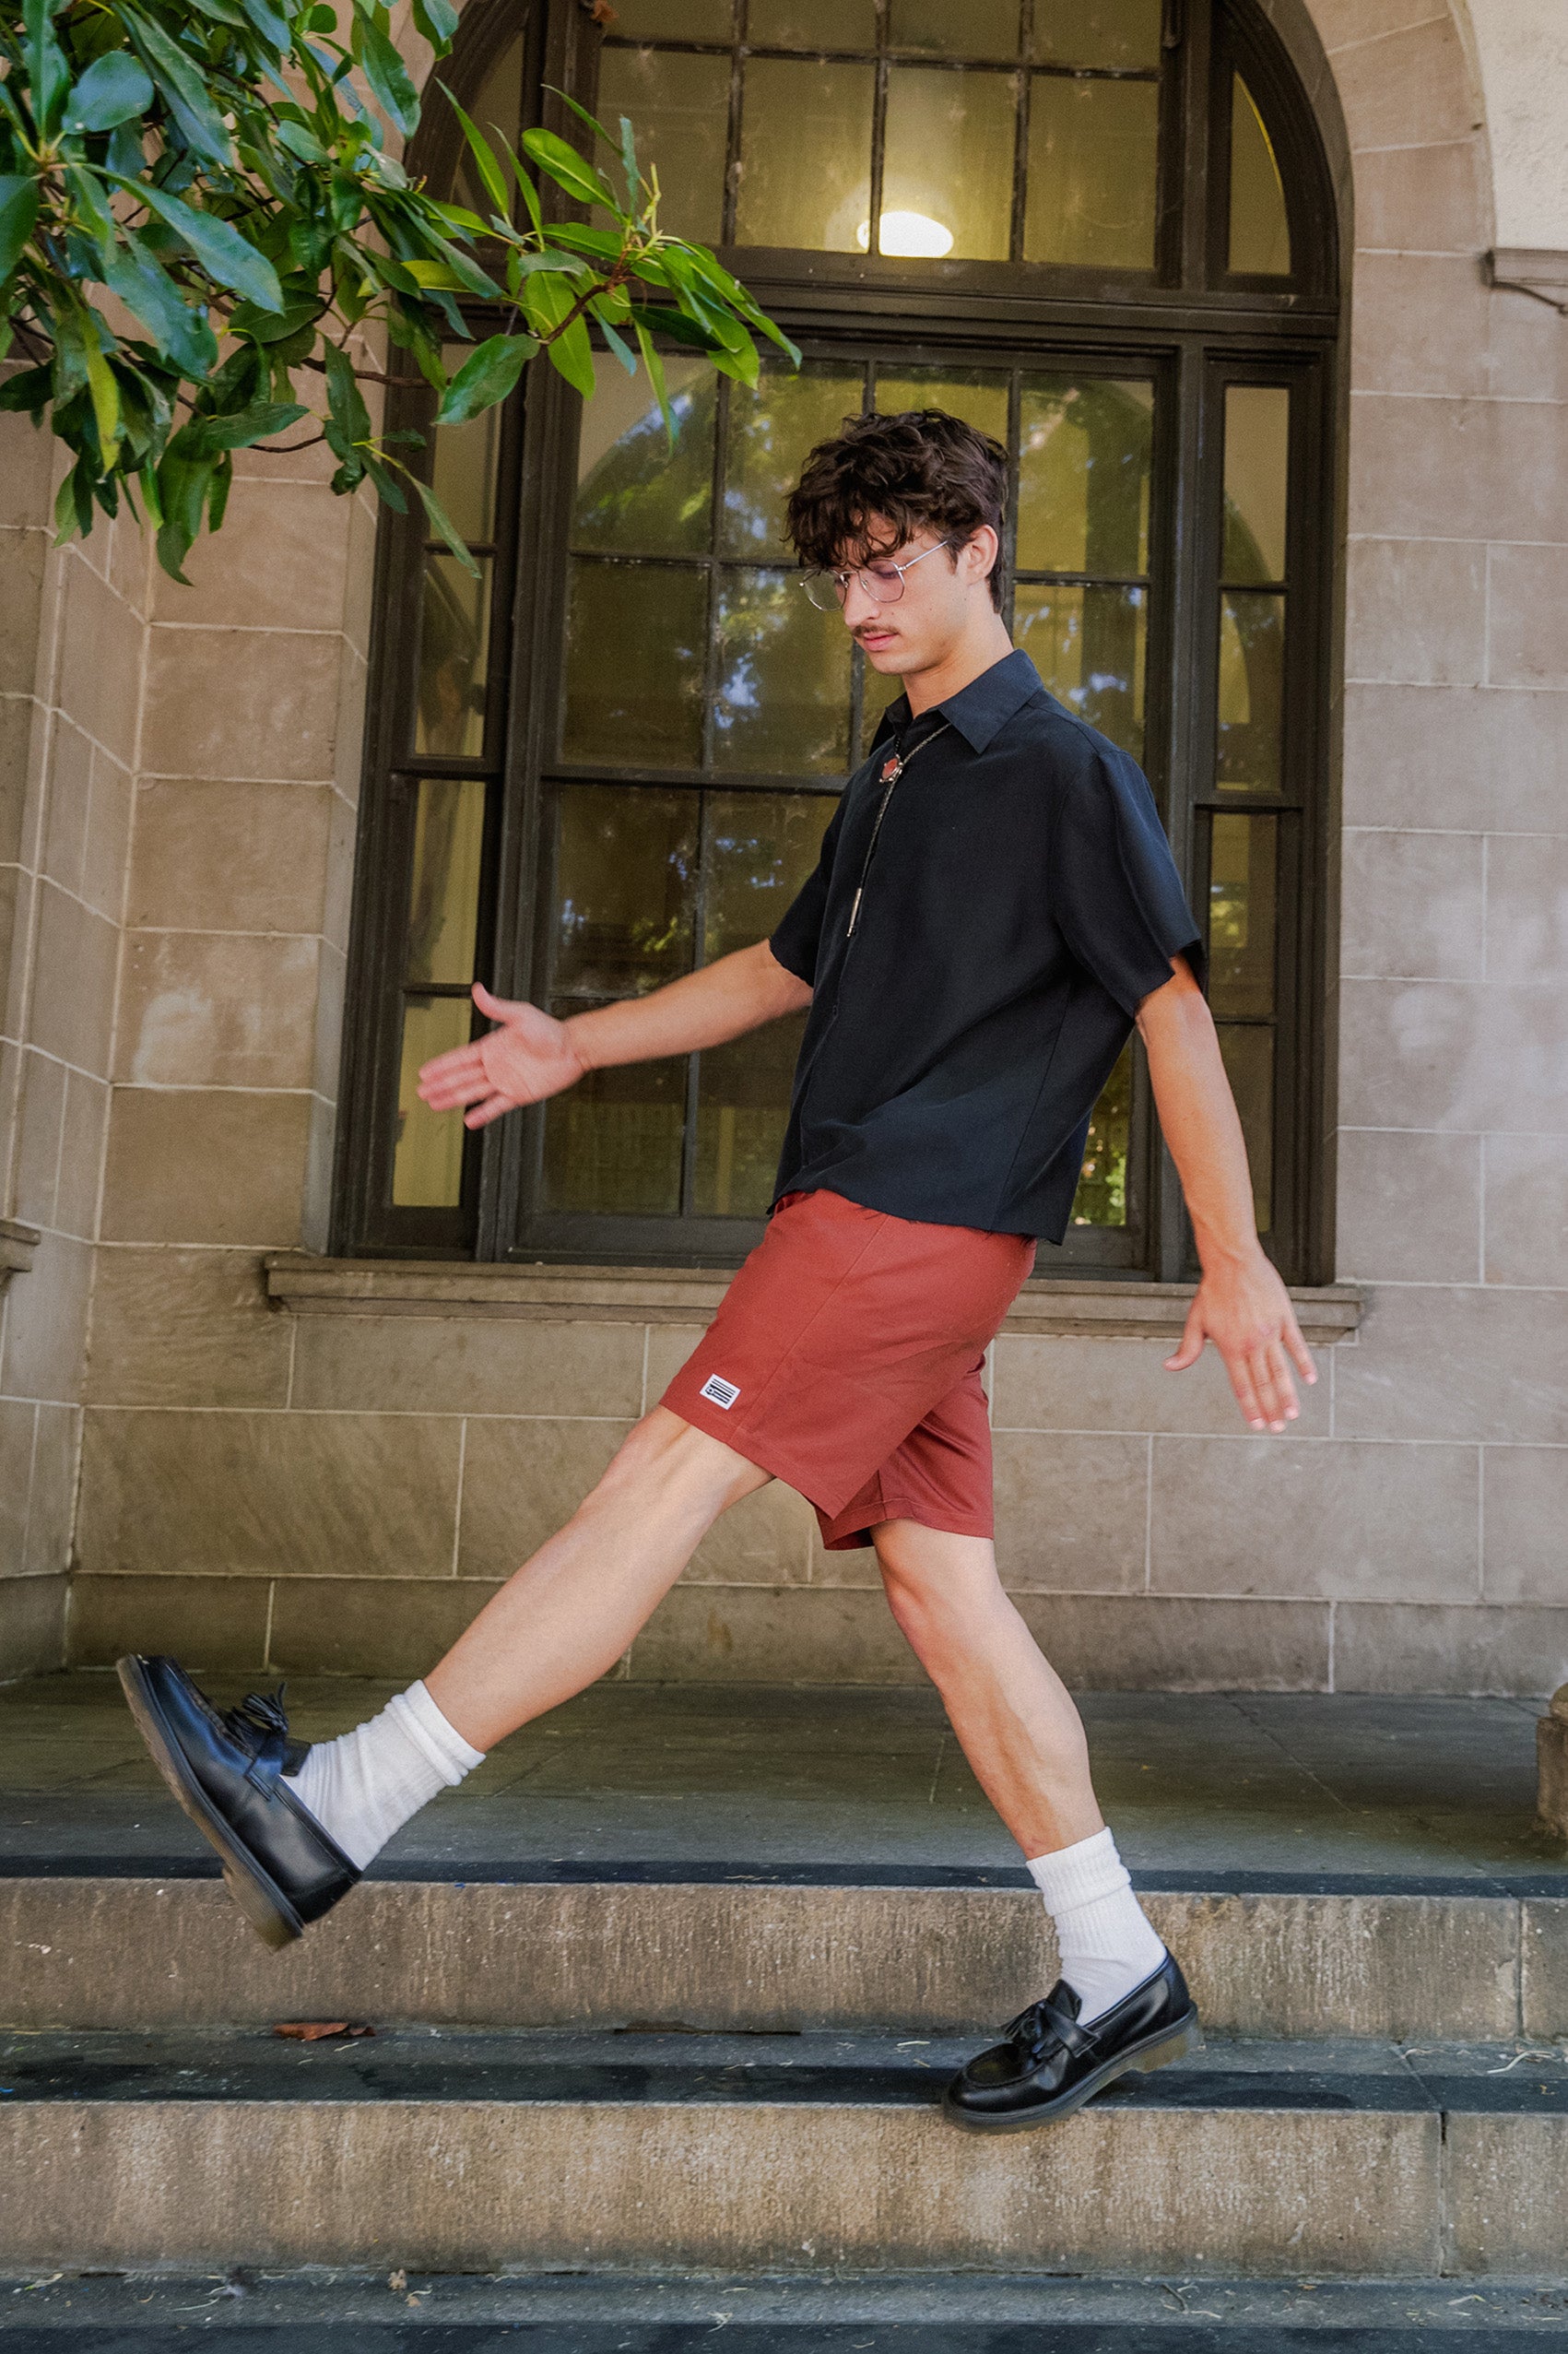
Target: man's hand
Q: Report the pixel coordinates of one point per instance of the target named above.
(1245, 1311)
(529, 1056)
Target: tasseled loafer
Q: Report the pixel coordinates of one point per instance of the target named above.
(1048, 2065)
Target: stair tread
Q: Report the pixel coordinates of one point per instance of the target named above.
(618, 2067)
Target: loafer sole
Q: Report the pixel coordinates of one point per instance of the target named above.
(1154, 2051)
(257, 1895)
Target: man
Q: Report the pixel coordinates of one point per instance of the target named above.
(995, 907)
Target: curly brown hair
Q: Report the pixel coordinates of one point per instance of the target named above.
(919, 471)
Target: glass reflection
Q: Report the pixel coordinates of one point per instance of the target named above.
(443, 890)
(812, 24)
(980, 28)
(772, 431)
(1247, 1051)
(625, 889)
(806, 176)
(679, 105)
(462, 462)
(783, 699)
(742, 1110)
(760, 848)
(426, 1162)
(1243, 867)
(1092, 149)
(1102, 1196)
(1257, 441)
(1097, 32)
(1087, 646)
(634, 661)
(979, 398)
(454, 629)
(634, 493)
(1084, 454)
(947, 175)
(1252, 685)
(1260, 229)
(497, 108)
(612, 1144)
(675, 20)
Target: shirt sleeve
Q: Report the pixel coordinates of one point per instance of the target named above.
(1115, 889)
(795, 937)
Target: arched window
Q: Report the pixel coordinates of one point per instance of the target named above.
(1100, 228)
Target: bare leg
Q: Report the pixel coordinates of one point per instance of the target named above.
(1012, 1713)
(566, 1617)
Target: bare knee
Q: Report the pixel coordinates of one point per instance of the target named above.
(938, 1585)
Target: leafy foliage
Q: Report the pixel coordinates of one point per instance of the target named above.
(221, 169)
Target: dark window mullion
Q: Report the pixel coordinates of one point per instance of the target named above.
(878, 130)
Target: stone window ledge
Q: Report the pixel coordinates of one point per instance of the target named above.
(17, 1244)
(1051, 1304)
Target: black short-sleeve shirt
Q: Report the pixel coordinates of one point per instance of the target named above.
(1017, 900)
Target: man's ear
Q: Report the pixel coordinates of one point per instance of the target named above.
(980, 552)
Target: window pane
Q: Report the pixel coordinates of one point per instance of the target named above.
(1083, 475)
(947, 177)
(1260, 232)
(462, 462)
(805, 167)
(679, 108)
(761, 850)
(981, 399)
(634, 651)
(1242, 888)
(772, 431)
(812, 24)
(625, 889)
(1102, 1196)
(634, 493)
(675, 20)
(1248, 1054)
(612, 1144)
(742, 1111)
(1251, 678)
(1087, 646)
(783, 700)
(427, 1162)
(444, 894)
(1258, 441)
(978, 29)
(455, 631)
(1091, 179)
(497, 107)
(1097, 32)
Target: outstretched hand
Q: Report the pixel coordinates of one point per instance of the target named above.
(1246, 1313)
(528, 1057)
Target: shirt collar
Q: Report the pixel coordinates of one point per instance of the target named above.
(981, 710)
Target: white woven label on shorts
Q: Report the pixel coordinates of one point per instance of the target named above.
(723, 1393)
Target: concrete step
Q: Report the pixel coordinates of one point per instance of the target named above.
(462, 2150)
(156, 1942)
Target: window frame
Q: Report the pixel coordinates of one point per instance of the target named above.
(1186, 324)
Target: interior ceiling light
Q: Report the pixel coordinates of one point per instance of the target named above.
(913, 234)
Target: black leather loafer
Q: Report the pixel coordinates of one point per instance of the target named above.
(1049, 2066)
(227, 1772)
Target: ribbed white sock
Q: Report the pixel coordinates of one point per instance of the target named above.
(366, 1783)
(1107, 1945)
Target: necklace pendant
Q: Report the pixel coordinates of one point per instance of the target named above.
(892, 769)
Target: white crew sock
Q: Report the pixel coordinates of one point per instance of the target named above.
(1107, 1945)
(366, 1784)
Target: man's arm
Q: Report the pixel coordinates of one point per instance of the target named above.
(1242, 1305)
(531, 1054)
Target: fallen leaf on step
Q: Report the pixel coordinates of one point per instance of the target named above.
(316, 2030)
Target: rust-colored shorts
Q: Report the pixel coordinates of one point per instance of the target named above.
(845, 1359)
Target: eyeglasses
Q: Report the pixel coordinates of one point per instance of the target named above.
(882, 583)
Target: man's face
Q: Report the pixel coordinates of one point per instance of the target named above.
(917, 630)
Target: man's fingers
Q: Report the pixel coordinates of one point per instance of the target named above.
(491, 1108)
(1246, 1395)
(500, 1009)
(1191, 1345)
(1300, 1351)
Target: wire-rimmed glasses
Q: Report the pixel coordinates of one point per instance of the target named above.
(881, 582)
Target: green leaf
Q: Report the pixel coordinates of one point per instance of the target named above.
(567, 170)
(32, 389)
(231, 259)
(105, 401)
(484, 159)
(183, 88)
(259, 423)
(49, 75)
(18, 211)
(441, 522)
(387, 76)
(437, 20)
(151, 295)
(571, 355)
(620, 346)
(485, 376)
(655, 368)
(272, 27)
(629, 163)
(348, 421)
(114, 88)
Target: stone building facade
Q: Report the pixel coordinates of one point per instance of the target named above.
(215, 1439)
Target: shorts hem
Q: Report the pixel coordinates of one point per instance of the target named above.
(755, 1448)
(951, 1524)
